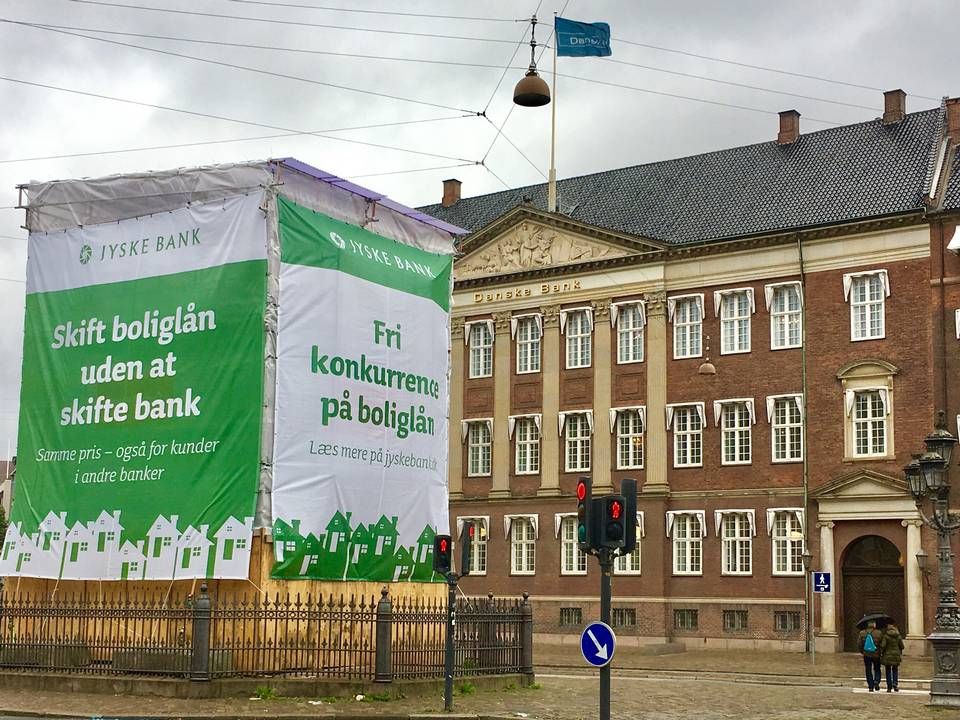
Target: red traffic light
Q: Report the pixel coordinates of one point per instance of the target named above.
(616, 509)
(443, 545)
(472, 530)
(581, 490)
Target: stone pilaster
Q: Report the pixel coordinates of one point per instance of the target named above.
(457, 370)
(914, 628)
(828, 601)
(501, 405)
(549, 437)
(657, 449)
(600, 462)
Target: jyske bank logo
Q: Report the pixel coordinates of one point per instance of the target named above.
(337, 240)
(85, 253)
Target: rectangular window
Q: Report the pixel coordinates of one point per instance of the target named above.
(624, 617)
(629, 564)
(478, 547)
(523, 547)
(687, 328)
(737, 544)
(787, 544)
(629, 334)
(528, 345)
(578, 443)
(867, 293)
(869, 424)
(735, 323)
(787, 431)
(686, 620)
(785, 621)
(736, 433)
(687, 437)
(573, 561)
(734, 620)
(578, 339)
(478, 449)
(481, 350)
(786, 318)
(629, 440)
(528, 446)
(687, 545)
(571, 617)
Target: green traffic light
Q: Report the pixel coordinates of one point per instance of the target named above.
(582, 533)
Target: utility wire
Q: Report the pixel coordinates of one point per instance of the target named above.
(296, 23)
(246, 68)
(370, 12)
(223, 141)
(412, 170)
(510, 62)
(229, 119)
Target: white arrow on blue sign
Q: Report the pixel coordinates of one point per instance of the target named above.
(598, 643)
(821, 582)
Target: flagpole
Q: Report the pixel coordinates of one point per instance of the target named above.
(552, 182)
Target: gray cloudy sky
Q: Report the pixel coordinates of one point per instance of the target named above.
(880, 44)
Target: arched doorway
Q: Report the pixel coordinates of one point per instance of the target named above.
(872, 583)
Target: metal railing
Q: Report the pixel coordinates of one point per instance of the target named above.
(203, 638)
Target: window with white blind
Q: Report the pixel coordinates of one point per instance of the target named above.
(481, 350)
(527, 446)
(786, 317)
(579, 338)
(687, 437)
(787, 543)
(737, 533)
(687, 327)
(687, 545)
(787, 433)
(735, 417)
(629, 564)
(869, 424)
(630, 334)
(735, 323)
(577, 428)
(478, 449)
(573, 561)
(629, 440)
(528, 345)
(867, 294)
(523, 546)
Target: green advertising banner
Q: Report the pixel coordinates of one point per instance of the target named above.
(139, 444)
(360, 450)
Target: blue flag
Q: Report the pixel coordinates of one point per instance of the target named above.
(580, 39)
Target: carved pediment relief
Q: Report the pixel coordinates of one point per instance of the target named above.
(529, 246)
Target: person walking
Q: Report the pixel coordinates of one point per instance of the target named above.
(891, 654)
(868, 643)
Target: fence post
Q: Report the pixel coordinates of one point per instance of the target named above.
(200, 658)
(384, 657)
(526, 635)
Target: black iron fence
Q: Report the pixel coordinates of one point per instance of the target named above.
(203, 638)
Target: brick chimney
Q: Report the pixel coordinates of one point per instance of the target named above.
(894, 106)
(789, 127)
(451, 192)
(953, 119)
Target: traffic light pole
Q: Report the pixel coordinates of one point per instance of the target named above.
(605, 555)
(448, 650)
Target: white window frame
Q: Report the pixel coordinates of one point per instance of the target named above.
(791, 540)
(870, 420)
(527, 546)
(683, 326)
(631, 437)
(686, 529)
(573, 561)
(851, 282)
(789, 429)
(631, 335)
(479, 335)
(577, 327)
(472, 446)
(744, 531)
(478, 546)
(533, 324)
(583, 439)
(694, 437)
(631, 563)
(726, 306)
(784, 317)
(721, 417)
(517, 425)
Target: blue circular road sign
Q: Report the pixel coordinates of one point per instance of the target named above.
(597, 644)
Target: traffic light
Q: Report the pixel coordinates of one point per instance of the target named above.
(466, 546)
(442, 554)
(628, 488)
(613, 524)
(584, 504)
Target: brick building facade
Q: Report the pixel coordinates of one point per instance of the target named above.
(760, 336)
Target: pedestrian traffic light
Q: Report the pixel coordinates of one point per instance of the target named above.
(613, 524)
(628, 488)
(442, 554)
(584, 503)
(466, 546)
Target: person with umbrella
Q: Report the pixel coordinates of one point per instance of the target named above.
(868, 643)
(891, 654)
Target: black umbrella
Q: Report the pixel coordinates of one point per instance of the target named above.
(881, 619)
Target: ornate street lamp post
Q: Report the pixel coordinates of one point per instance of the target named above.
(928, 481)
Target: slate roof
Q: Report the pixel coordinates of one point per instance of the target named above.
(830, 176)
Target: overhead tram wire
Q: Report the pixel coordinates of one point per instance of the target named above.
(225, 140)
(274, 21)
(369, 12)
(233, 120)
(247, 68)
